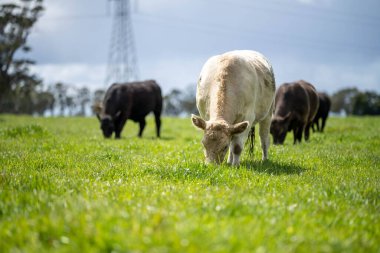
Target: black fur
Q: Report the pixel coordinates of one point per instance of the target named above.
(132, 101)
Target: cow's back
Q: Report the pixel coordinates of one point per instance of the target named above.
(324, 105)
(239, 84)
(138, 98)
(146, 97)
(297, 98)
(313, 99)
(112, 101)
(292, 100)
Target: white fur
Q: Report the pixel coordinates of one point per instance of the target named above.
(234, 87)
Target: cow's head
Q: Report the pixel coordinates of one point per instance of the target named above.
(106, 122)
(279, 127)
(217, 137)
(107, 125)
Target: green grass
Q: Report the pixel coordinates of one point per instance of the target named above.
(63, 188)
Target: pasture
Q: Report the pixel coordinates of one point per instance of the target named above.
(64, 188)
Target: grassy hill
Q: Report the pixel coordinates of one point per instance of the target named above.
(63, 188)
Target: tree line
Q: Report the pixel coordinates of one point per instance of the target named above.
(22, 92)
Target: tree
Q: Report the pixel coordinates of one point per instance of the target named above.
(70, 105)
(355, 102)
(188, 101)
(16, 22)
(172, 103)
(45, 101)
(366, 103)
(60, 94)
(343, 100)
(98, 96)
(83, 98)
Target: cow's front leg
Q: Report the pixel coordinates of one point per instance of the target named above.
(236, 149)
(142, 126)
(230, 155)
(119, 124)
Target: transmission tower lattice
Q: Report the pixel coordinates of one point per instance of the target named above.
(122, 59)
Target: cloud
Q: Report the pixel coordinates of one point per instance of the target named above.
(173, 72)
(89, 75)
(334, 77)
(175, 38)
(330, 77)
(176, 72)
(169, 72)
(157, 5)
(315, 2)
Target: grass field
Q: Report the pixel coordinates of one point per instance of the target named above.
(63, 188)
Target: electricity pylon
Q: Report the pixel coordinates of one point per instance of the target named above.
(122, 59)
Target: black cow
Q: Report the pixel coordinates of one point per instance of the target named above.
(132, 101)
(323, 111)
(295, 107)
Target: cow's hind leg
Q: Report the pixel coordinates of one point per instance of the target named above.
(297, 131)
(307, 131)
(323, 124)
(157, 118)
(142, 126)
(318, 128)
(264, 127)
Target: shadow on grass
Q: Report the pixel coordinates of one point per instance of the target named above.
(220, 174)
(130, 137)
(273, 168)
(165, 138)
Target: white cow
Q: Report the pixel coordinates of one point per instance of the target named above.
(234, 92)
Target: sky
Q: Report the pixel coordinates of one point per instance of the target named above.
(332, 44)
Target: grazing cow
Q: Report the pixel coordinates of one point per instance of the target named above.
(296, 105)
(323, 111)
(234, 92)
(129, 101)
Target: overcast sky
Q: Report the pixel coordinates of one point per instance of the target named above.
(330, 43)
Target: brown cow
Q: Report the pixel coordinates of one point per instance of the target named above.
(296, 105)
(323, 111)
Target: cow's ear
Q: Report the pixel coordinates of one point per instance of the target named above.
(238, 128)
(198, 122)
(97, 109)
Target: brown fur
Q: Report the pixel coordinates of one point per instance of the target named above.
(296, 105)
(323, 111)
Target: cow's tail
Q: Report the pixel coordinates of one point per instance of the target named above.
(251, 141)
